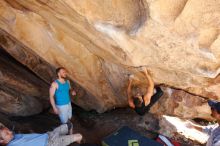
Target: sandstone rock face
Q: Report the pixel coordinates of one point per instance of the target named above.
(21, 92)
(182, 104)
(100, 42)
(176, 128)
(127, 14)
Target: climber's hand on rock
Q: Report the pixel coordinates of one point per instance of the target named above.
(131, 77)
(144, 70)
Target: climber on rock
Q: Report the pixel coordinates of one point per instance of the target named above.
(60, 96)
(57, 137)
(142, 103)
(212, 130)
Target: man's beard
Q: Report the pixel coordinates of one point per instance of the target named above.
(63, 77)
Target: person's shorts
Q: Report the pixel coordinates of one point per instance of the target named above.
(65, 112)
(59, 137)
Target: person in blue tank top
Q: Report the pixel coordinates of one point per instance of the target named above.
(60, 96)
(57, 137)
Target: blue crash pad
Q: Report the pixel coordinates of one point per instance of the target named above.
(128, 137)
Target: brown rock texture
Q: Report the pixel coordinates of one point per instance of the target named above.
(100, 42)
(182, 104)
(21, 92)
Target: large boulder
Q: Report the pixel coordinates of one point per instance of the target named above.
(101, 42)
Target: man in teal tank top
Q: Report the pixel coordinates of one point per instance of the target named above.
(60, 96)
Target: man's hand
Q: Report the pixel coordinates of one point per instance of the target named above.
(191, 125)
(131, 104)
(73, 93)
(144, 70)
(56, 110)
(131, 77)
(146, 102)
(147, 99)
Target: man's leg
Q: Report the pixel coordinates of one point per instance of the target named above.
(65, 140)
(53, 135)
(63, 113)
(70, 111)
(61, 130)
(69, 123)
(155, 97)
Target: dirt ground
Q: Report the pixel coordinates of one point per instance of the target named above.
(93, 126)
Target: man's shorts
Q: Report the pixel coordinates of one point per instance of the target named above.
(58, 137)
(65, 112)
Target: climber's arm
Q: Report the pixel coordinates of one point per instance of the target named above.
(130, 100)
(150, 88)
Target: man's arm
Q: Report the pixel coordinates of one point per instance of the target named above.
(207, 129)
(197, 127)
(53, 88)
(194, 126)
(150, 88)
(72, 91)
(217, 143)
(130, 100)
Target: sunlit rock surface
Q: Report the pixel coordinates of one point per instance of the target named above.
(100, 42)
(175, 127)
(182, 104)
